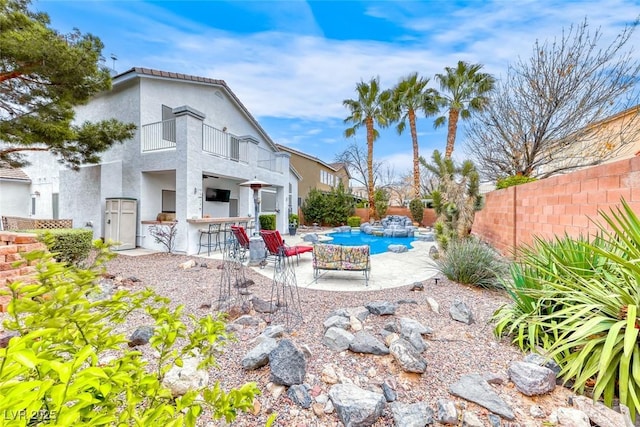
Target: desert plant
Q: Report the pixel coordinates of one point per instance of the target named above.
(589, 321)
(417, 210)
(354, 221)
(510, 181)
(472, 262)
(267, 221)
(67, 365)
(165, 234)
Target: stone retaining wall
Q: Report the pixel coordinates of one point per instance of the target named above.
(12, 246)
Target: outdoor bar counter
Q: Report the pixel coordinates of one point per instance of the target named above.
(194, 225)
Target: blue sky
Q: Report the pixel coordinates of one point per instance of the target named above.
(292, 63)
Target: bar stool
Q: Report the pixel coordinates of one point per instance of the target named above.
(227, 234)
(212, 234)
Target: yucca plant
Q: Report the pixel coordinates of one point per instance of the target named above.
(586, 314)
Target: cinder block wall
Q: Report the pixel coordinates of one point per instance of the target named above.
(554, 206)
(12, 246)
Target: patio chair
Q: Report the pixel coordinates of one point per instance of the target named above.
(241, 244)
(277, 250)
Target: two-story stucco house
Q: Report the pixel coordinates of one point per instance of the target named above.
(195, 143)
(314, 173)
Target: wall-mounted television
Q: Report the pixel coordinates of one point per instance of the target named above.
(217, 195)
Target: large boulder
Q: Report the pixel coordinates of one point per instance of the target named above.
(356, 407)
(288, 364)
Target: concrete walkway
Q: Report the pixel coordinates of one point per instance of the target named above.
(388, 270)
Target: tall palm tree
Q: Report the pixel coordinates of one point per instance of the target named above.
(466, 90)
(411, 95)
(371, 108)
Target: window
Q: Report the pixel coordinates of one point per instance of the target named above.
(268, 201)
(33, 205)
(168, 201)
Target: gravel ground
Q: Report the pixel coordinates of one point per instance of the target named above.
(454, 349)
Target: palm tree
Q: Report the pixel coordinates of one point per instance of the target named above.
(409, 96)
(371, 108)
(466, 91)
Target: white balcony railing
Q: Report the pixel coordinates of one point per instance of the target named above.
(159, 136)
(223, 144)
(268, 160)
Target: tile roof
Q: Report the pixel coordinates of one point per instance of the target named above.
(14, 174)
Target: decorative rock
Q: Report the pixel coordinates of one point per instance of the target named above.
(300, 395)
(328, 407)
(141, 336)
(274, 331)
(356, 407)
(407, 356)
(337, 339)
(318, 409)
(329, 375)
(407, 326)
(341, 322)
(428, 237)
(598, 413)
(390, 326)
(6, 337)
(187, 265)
(248, 320)
(411, 415)
(361, 312)
(262, 306)
(570, 417)
(180, 379)
(406, 301)
(258, 356)
(288, 364)
(434, 253)
(494, 378)
(275, 389)
(475, 389)
(543, 361)
(398, 249)
(469, 419)
(364, 342)
(531, 379)
(312, 237)
(433, 305)
(389, 394)
(417, 286)
(416, 341)
(494, 420)
(355, 324)
(460, 312)
(447, 412)
(536, 411)
(381, 308)
(390, 338)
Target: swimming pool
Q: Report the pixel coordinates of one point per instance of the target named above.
(377, 244)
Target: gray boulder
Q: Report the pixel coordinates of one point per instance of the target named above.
(411, 415)
(569, 417)
(312, 237)
(337, 339)
(181, 379)
(299, 394)
(407, 356)
(381, 308)
(364, 342)
(262, 306)
(141, 336)
(475, 389)
(341, 322)
(532, 379)
(398, 249)
(543, 361)
(461, 312)
(356, 407)
(288, 364)
(258, 356)
(407, 326)
(447, 412)
(273, 331)
(598, 413)
(389, 393)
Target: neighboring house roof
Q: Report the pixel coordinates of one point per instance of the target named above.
(187, 77)
(295, 172)
(341, 165)
(307, 156)
(13, 174)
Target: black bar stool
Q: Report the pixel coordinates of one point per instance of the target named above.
(212, 234)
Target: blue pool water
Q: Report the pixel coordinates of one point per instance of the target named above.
(377, 244)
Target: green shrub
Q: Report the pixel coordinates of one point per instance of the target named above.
(293, 220)
(354, 221)
(510, 181)
(584, 307)
(472, 262)
(68, 363)
(331, 208)
(70, 245)
(417, 210)
(267, 222)
(381, 199)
